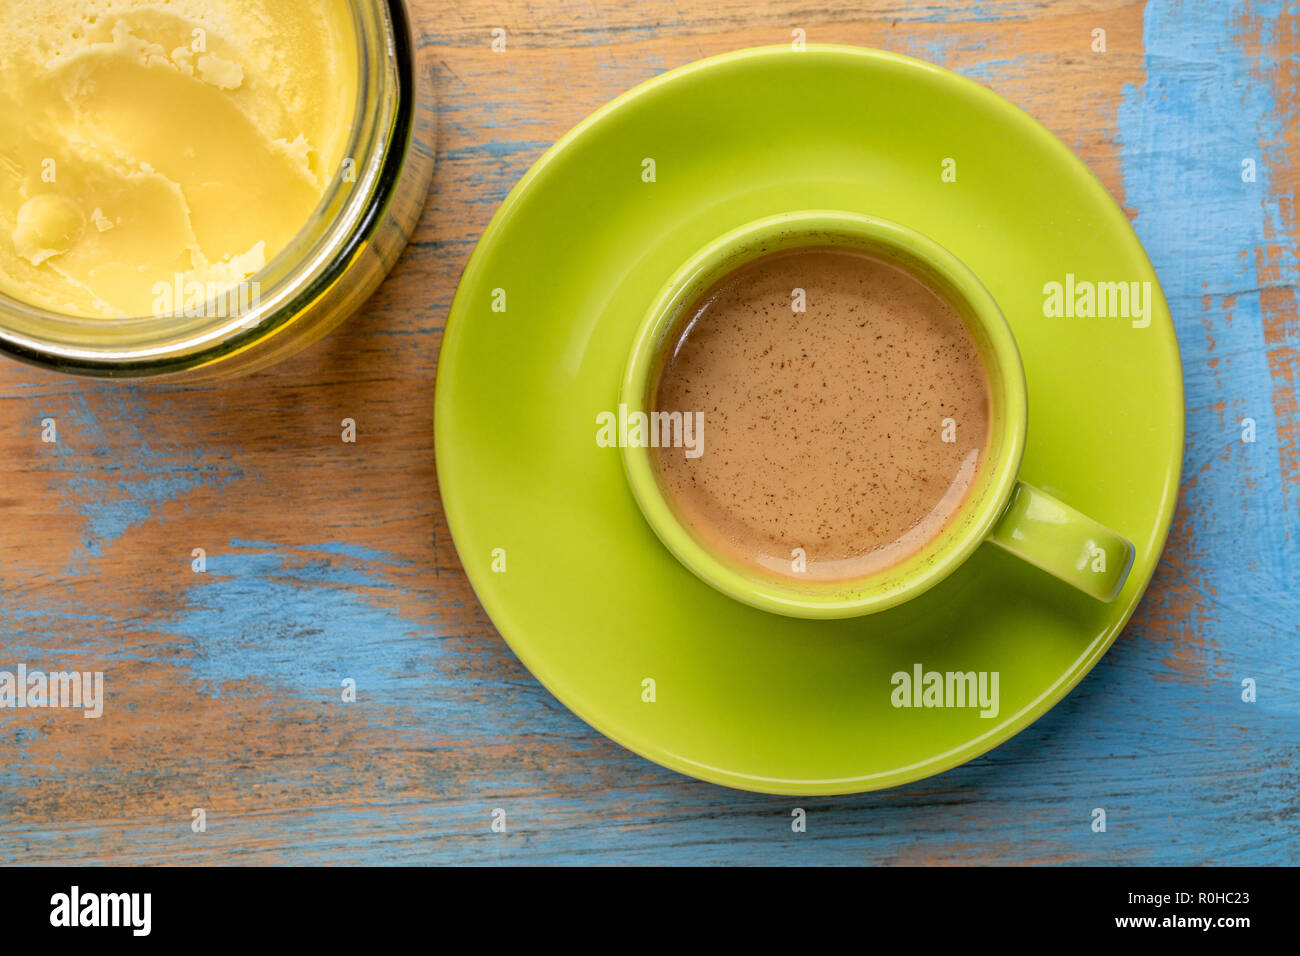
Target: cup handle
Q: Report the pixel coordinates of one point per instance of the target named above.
(1065, 543)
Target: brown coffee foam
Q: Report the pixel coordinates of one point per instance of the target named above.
(822, 429)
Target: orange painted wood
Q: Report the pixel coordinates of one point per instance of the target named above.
(328, 560)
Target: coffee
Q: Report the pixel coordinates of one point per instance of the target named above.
(846, 408)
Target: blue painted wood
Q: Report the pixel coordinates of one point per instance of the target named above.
(225, 686)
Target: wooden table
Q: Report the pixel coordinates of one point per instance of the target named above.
(328, 560)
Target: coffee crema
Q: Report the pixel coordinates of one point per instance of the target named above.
(842, 438)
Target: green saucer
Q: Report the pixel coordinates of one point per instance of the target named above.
(542, 516)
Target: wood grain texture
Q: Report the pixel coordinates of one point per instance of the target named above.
(330, 560)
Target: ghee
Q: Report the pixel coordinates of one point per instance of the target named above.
(152, 143)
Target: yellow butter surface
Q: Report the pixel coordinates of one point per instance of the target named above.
(148, 142)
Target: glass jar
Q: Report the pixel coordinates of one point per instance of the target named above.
(362, 223)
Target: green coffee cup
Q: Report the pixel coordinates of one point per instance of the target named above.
(999, 508)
